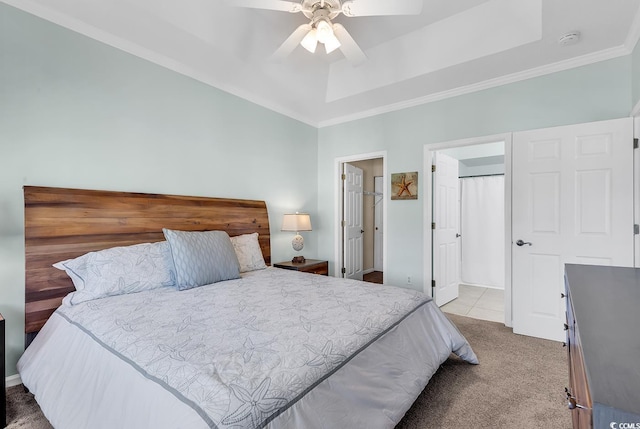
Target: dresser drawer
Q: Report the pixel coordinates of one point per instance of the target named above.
(578, 383)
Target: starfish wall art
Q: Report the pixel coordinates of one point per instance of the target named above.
(404, 186)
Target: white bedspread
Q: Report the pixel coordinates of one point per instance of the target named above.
(276, 348)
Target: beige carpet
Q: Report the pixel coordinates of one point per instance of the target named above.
(519, 384)
(23, 411)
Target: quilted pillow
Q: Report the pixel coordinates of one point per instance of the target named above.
(202, 258)
(248, 252)
(119, 270)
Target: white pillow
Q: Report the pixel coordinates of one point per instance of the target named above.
(119, 270)
(248, 252)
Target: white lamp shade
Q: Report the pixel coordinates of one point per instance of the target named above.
(296, 222)
(324, 31)
(310, 41)
(331, 44)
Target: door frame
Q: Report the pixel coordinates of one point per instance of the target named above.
(377, 245)
(337, 196)
(635, 114)
(428, 213)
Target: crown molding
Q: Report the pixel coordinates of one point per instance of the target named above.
(72, 24)
(634, 33)
(626, 49)
(136, 50)
(571, 63)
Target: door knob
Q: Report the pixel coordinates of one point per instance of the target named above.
(362, 231)
(457, 235)
(522, 243)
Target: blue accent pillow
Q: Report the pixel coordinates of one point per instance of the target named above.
(202, 258)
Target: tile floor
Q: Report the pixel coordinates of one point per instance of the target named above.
(478, 302)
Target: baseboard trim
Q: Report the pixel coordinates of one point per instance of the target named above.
(370, 270)
(484, 286)
(13, 380)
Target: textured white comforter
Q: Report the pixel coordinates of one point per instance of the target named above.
(274, 348)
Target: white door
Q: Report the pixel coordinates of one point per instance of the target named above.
(446, 237)
(378, 231)
(572, 203)
(352, 221)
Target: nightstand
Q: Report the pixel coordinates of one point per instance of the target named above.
(314, 266)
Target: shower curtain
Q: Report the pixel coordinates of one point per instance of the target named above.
(482, 230)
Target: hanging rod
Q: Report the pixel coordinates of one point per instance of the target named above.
(375, 194)
(481, 175)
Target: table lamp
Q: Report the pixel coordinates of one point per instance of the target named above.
(297, 222)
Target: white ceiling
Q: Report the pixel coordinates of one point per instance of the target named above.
(451, 48)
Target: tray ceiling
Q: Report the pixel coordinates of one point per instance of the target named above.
(451, 48)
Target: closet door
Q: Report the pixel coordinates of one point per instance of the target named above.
(353, 225)
(572, 202)
(446, 232)
(378, 224)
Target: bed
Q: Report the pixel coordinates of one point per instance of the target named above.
(264, 348)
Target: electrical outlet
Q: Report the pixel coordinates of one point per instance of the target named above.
(408, 280)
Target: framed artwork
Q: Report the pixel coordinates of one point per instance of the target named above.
(404, 186)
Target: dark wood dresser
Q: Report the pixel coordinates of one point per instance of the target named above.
(603, 343)
(3, 393)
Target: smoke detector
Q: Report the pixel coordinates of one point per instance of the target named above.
(570, 38)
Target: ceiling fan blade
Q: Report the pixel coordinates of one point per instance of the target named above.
(381, 7)
(284, 6)
(291, 43)
(348, 46)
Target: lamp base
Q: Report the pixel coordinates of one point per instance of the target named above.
(298, 260)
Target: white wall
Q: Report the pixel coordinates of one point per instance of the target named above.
(480, 159)
(77, 113)
(480, 170)
(635, 73)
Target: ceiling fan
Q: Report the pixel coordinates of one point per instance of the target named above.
(320, 29)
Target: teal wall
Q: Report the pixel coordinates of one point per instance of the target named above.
(78, 113)
(591, 93)
(635, 73)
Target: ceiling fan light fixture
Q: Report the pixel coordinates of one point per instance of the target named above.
(310, 41)
(320, 28)
(331, 44)
(324, 31)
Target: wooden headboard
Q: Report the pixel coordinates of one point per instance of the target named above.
(65, 223)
